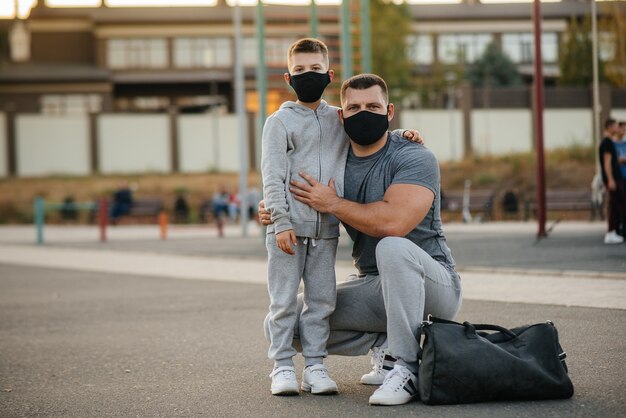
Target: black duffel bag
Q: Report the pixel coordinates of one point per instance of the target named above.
(460, 363)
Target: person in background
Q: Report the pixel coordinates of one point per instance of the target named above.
(620, 147)
(122, 202)
(613, 181)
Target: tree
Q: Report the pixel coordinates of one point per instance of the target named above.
(390, 23)
(614, 24)
(493, 69)
(575, 55)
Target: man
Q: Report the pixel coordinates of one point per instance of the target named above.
(613, 180)
(620, 148)
(391, 210)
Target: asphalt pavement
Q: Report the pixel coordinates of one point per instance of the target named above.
(86, 331)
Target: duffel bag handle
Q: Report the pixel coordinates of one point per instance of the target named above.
(470, 331)
(490, 327)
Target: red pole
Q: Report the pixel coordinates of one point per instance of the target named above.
(103, 217)
(538, 109)
(163, 224)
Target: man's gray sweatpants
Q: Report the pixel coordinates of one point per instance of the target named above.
(389, 308)
(314, 262)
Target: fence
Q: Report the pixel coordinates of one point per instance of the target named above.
(163, 143)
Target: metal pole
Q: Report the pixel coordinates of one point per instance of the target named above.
(346, 40)
(40, 218)
(261, 70)
(241, 121)
(366, 37)
(215, 125)
(538, 109)
(595, 87)
(314, 21)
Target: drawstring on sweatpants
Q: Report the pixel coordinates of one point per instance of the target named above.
(305, 241)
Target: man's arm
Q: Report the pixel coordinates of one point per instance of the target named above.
(403, 207)
(608, 170)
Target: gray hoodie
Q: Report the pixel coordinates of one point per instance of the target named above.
(296, 138)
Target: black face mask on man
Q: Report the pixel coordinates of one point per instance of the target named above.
(365, 127)
(309, 86)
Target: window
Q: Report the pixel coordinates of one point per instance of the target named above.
(464, 48)
(202, 52)
(137, 53)
(520, 47)
(420, 49)
(275, 51)
(250, 54)
(70, 104)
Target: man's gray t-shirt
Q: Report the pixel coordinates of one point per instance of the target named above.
(367, 178)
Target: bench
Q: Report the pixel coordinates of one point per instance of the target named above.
(143, 210)
(480, 201)
(562, 200)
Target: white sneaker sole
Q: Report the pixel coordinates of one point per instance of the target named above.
(391, 401)
(367, 379)
(329, 390)
(285, 391)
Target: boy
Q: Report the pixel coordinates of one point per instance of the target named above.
(306, 136)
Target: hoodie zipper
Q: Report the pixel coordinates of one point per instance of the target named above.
(319, 172)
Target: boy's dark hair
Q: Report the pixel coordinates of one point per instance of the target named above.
(622, 123)
(307, 45)
(609, 122)
(362, 82)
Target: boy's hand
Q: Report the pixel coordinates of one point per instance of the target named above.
(285, 239)
(413, 135)
(264, 214)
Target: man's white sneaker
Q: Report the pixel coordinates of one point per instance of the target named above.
(315, 379)
(613, 237)
(284, 381)
(382, 363)
(399, 387)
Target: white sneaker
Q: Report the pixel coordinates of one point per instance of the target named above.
(284, 381)
(613, 237)
(399, 387)
(382, 363)
(315, 379)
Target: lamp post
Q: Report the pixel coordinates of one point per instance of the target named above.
(595, 82)
(346, 41)
(538, 109)
(241, 120)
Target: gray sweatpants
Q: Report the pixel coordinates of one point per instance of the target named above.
(314, 262)
(388, 308)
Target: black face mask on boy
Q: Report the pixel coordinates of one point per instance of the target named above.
(309, 86)
(365, 127)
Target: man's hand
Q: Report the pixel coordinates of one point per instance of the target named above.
(315, 194)
(264, 214)
(285, 239)
(611, 185)
(413, 135)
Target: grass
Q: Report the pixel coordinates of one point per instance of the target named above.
(568, 168)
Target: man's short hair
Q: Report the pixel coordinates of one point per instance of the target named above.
(308, 46)
(362, 82)
(609, 122)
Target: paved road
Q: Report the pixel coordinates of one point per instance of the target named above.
(77, 340)
(76, 344)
